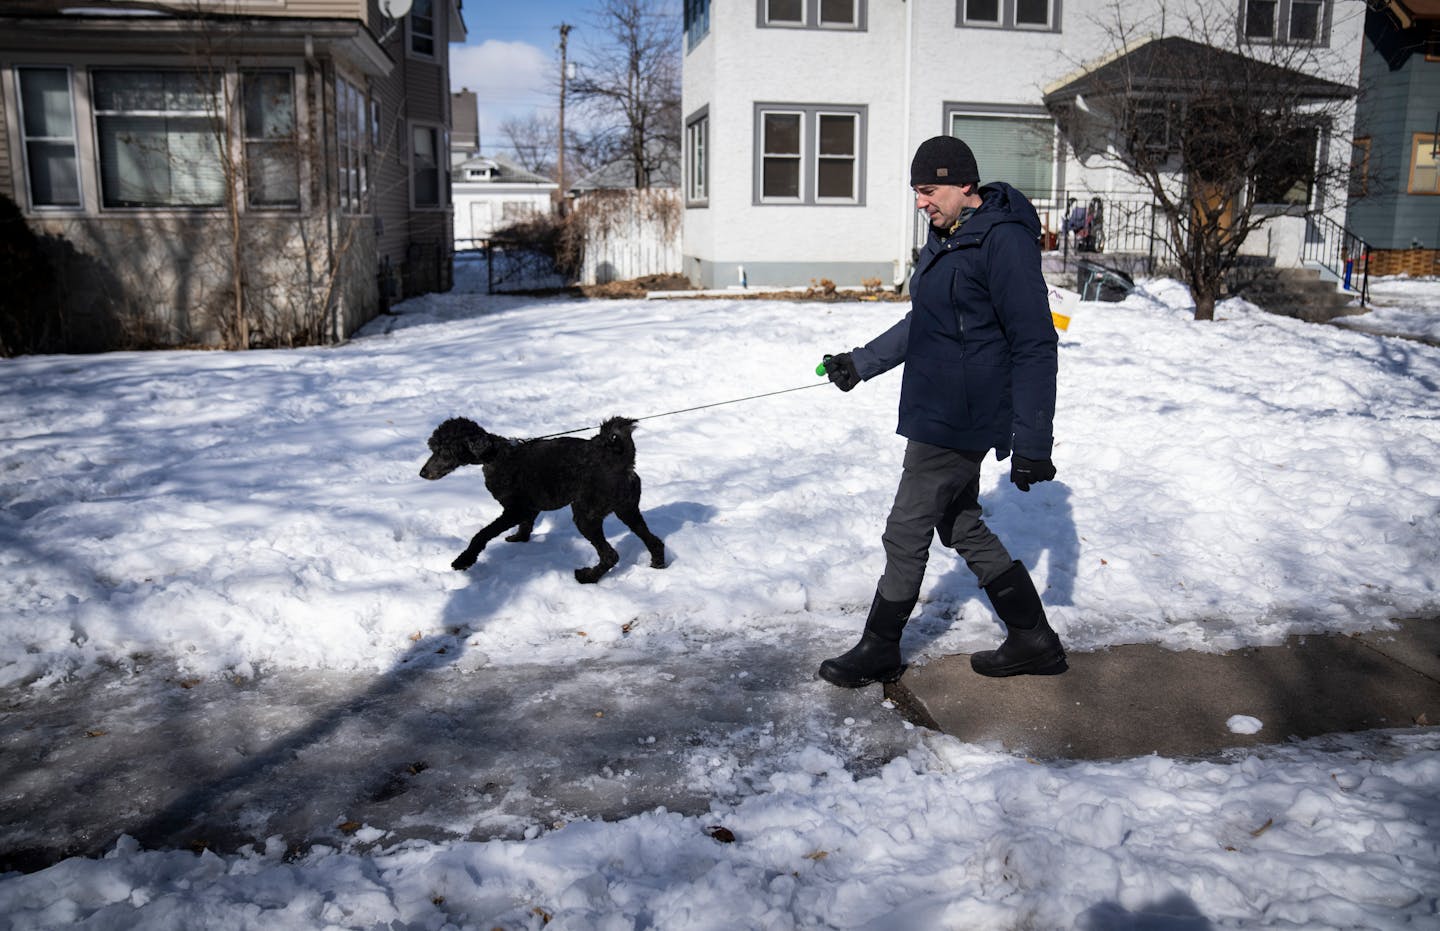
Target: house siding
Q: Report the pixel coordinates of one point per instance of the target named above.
(905, 97)
(159, 276)
(1398, 104)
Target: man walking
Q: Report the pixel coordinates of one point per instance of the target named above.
(979, 350)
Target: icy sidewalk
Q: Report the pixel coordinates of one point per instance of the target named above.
(423, 751)
(1137, 699)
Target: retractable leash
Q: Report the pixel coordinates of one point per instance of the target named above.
(820, 370)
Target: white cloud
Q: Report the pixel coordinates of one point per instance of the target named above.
(508, 78)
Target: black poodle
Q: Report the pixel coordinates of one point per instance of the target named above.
(595, 477)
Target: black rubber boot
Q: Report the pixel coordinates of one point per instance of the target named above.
(876, 658)
(1030, 647)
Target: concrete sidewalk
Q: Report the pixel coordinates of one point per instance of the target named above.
(1139, 699)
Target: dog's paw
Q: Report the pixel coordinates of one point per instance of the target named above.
(589, 576)
(518, 538)
(658, 562)
(463, 561)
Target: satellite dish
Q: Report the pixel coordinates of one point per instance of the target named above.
(395, 9)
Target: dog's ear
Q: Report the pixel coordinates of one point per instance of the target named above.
(482, 445)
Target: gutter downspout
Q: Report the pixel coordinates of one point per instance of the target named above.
(902, 262)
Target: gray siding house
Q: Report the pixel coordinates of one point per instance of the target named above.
(228, 173)
(1395, 176)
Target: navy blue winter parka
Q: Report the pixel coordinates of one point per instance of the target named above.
(979, 345)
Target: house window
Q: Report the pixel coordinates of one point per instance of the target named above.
(47, 125)
(422, 28)
(836, 156)
(272, 167)
(1424, 164)
(781, 155)
(812, 14)
(1010, 14)
(697, 159)
(697, 22)
(425, 166)
(159, 135)
(809, 154)
(784, 12)
(1300, 22)
(1017, 148)
(351, 157)
(517, 211)
(1287, 174)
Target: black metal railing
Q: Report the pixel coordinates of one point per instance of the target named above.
(1341, 252)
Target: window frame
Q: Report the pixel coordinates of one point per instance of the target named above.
(1035, 115)
(437, 137)
(1317, 144)
(353, 137)
(697, 158)
(696, 22)
(1284, 19)
(1417, 142)
(248, 142)
(1006, 17)
(27, 140)
(808, 157)
(414, 35)
(220, 114)
(810, 17)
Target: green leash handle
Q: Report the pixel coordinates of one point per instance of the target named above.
(820, 369)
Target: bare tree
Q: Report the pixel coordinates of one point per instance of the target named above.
(629, 83)
(1216, 129)
(532, 141)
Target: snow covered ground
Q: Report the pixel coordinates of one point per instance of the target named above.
(251, 515)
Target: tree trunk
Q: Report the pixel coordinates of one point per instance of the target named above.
(1204, 302)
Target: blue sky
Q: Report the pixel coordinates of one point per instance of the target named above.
(512, 60)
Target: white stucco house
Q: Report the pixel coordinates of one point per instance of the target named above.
(801, 117)
(491, 192)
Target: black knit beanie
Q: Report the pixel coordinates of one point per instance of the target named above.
(943, 160)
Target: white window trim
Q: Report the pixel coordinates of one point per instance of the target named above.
(697, 169)
(854, 158)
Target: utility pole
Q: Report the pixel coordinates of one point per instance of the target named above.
(560, 160)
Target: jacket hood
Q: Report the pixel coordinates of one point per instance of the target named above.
(1001, 204)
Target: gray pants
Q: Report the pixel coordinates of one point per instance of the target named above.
(939, 492)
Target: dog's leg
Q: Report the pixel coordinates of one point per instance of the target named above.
(527, 527)
(592, 527)
(499, 525)
(629, 513)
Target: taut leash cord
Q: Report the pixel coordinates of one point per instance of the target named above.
(699, 407)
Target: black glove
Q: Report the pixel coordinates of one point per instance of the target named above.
(1026, 472)
(841, 371)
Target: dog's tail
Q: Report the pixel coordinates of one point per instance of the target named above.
(615, 438)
